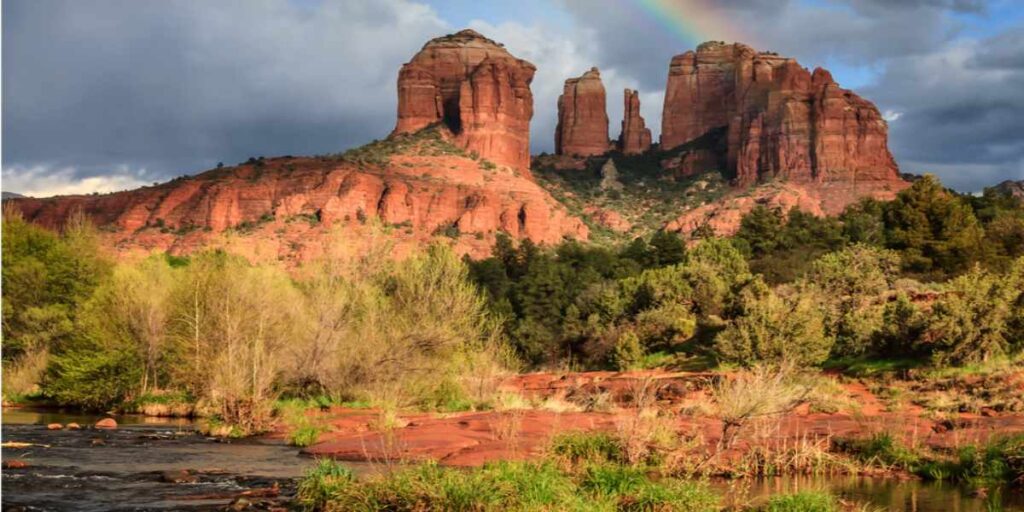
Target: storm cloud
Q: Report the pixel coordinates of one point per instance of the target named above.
(111, 94)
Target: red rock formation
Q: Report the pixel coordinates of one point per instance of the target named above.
(779, 119)
(288, 207)
(635, 136)
(476, 88)
(582, 117)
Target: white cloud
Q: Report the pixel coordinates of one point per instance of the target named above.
(561, 53)
(44, 181)
(891, 115)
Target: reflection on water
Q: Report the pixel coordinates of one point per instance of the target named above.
(25, 416)
(882, 494)
(122, 469)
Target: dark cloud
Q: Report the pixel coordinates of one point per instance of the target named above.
(963, 111)
(954, 102)
(172, 87)
(150, 90)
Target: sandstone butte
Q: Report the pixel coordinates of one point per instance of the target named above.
(457, 163)
(635, 137)
(582, 117)
(461, 94)
(475, 88)
(760, 117)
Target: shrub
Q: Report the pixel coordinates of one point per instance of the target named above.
(806, 501)
(755, 394)
(322, 483)
(583, 447)
(773, 329)
(628, 352)
(969, 324)
(852, 282)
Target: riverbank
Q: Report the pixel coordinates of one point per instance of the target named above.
(544, 404)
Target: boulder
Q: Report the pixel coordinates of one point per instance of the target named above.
(582, 117)
(106, 423)
(54, 426)
(635, 137)
(610, 176)
(178, 476)
(73, 426)
(15, 464)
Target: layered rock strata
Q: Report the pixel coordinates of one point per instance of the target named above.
(582, 117)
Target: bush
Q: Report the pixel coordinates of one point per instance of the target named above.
(582, 447)
(773, 329)
(806, 501)
(971, 322)
(852, 283)
(321, 483)
(628, 352)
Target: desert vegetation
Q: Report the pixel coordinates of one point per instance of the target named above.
(920, 299)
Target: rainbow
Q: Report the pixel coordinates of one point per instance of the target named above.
(692, 21)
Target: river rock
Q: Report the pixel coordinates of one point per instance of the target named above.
(178, 476)
(15, 464)
(54, 426)
(73, 426)
(109, 423)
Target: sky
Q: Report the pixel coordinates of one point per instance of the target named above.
(106, 95)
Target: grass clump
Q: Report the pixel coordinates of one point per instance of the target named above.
(881, 450)
(807, 501)
(325, 480)
(582, 447)
(514, 486)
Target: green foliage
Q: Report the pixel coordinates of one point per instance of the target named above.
(322, 482)
(306, 435)
(628, 352)
(45, 278)
(933, 229)
(513, 486)
(806, 501)
(882, 450)
(903, 325)
(782, 245)
(972, 321)
(587, 448)
(92, 375)
(853, 283)
(775, 329)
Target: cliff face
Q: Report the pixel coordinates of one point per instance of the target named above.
(582, 117)
(477, 89)
(289, 206)
(780, 119)
(464, 104)
(635, 137)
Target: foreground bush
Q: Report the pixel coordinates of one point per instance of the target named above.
(512, 486)
(774, 329)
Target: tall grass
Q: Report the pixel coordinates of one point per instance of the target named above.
(504, 486)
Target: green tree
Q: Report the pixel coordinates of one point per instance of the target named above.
(933, 229)
(853, 283)
(774, 329)
(970, 323)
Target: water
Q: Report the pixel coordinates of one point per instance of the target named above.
(94, 470)
(879, 493)
(122, 469)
